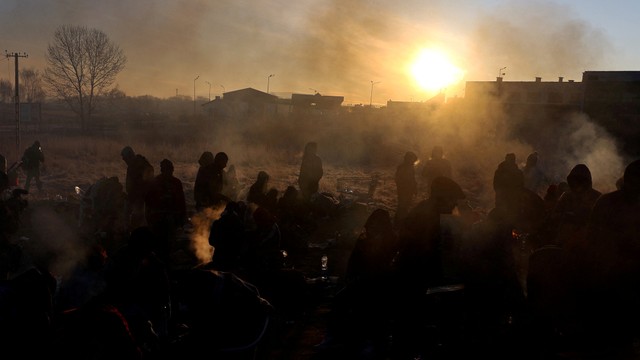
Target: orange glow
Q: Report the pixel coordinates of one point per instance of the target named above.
(433, 71)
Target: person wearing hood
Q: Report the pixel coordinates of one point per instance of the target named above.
(204, 177)
(572, 210)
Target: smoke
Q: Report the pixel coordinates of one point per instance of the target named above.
(584, 142)
(334, 47)
(537, 40)
(54, 241)
(199, 238)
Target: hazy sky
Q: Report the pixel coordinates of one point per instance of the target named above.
(330, 46)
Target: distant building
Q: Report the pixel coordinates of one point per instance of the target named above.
(316, 105)
(560, 94)
(612, 98)
(245, 103)
(412, 106)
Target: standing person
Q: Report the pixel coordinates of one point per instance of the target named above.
(436, 166)
(310, 171)
(165, 208)
(219, 179)
(406, 185)
(534, 178)
(139, 175)
(418, 264)
(573, 208)
(360, 311)
(204, 178)
(508, 181)
(31, 160)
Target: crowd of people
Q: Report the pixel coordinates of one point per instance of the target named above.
(551, 270)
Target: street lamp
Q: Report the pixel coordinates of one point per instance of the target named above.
(194, 95)
(223, 90)
(209, 90)
(269, 78)
(371, 96)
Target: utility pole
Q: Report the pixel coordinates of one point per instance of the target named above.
(371, 94)
(194, 95)
(268, 80)
(17, 97)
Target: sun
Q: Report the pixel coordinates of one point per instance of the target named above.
(433, 71)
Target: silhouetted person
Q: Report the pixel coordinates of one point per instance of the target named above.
(32, 158)
(228, 236)
(361, 311)
(418, 264)
(406, 185)
(219, 164)
(436, 166)
(166, 209)
(311, 171)
(534, 178)
(140, 173)
(571, 213)
(202, 187)
(293, 220)
(508, 181)
(258, 190)
(210, 180)
(613, 235)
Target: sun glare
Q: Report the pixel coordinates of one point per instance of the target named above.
(433, 71)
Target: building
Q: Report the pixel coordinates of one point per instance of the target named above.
(315, 105)
(245, 103)
(612, 99)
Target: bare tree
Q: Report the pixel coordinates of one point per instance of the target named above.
(31, 89)
(82, 64)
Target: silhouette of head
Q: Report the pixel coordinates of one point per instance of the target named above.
(206, 158)
(221, 159)
(379, 221)
(579, 177)
(311, 148)
(410, 157)
(510, 158)
(631, 179)
(446, 193)
(263, 176)
(166, 167)
(127, 153)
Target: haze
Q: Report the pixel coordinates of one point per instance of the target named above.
(329, 46)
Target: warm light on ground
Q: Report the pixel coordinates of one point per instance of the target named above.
(433, 71)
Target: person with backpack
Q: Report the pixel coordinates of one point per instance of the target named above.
(31, 160)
